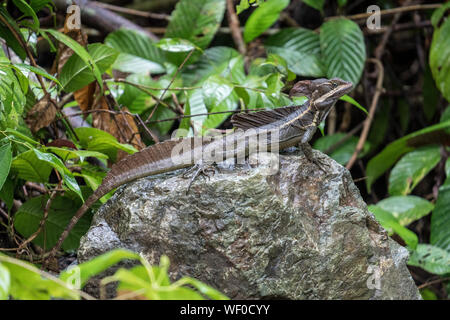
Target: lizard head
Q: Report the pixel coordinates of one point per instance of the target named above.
(323, 92)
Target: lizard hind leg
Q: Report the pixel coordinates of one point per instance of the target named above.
(203, 168)
(307, 151)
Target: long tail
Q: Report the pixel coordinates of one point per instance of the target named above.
(80, 212)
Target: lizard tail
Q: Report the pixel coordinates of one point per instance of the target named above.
(80, 212)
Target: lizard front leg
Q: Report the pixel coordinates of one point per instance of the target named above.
(307, 151)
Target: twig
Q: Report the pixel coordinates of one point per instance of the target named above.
(373, 107)
(427, 284)
(171, 81)
(236, 33)
(134, 12)
(344, 138)
(380, 48)
(41, 224)
(405, 8)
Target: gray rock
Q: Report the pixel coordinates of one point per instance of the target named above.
(298, 234)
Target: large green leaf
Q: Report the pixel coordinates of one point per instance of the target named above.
(430, 258)
(343, 49)
(80, 51)
(29, 215)
(263, 17)
(12, 98)
(7, 35)
(28, 167)
(412, 168)
(27, 10)
(138, 53)
(440, 218)
(406, 209)
(440, 50)
(393, 151)
(300, 48)
(97, 140)
(76, 74)
(223, 61)
(36, 70)
(27, 282)
(5, 163)
(196, 21)
(390, 223)
(5, 282)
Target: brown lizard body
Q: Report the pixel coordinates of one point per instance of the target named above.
(278, 128)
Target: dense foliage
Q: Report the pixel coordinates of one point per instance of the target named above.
(133, 91)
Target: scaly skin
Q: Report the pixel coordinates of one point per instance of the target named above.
(289, 129)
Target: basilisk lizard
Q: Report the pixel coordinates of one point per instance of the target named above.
(283, 127)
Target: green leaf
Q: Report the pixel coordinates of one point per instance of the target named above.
(412, 168)
(343, 49)
(216, 89)
(28, 167)
(97, 140)
(431, 259)
(56, 163)
(393, 151)
(7, 35)
(28, 11)
(175, 45)
(316, 4)
(138, 53)
(440, 50)
(389, 222)
(406, 209)
(243, 5)
(5, 282)
(300, 48)
(352, 101)
(428, 294)
(440, 218)
(343, 153)
(430, 94)
(99, 264)
(196, 21)
(223, 61)
(62, 209)
(76, 74)
(80, 51)
(68, 154)
(263, 17)
(7, 193)
(12, 98)
(28, 283)
(37, 70)
(5, 162)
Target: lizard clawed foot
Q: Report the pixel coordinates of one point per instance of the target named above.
(307, 151)
(199, 168)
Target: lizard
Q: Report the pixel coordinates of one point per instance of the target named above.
(282, 127)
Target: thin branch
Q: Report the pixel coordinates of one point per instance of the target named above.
(236, 33)
(369, 119)
(41, 224)
(171, 82)
(134, 12)
(427, 284)
(361, 16)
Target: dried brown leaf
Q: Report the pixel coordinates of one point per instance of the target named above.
(41, 115)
